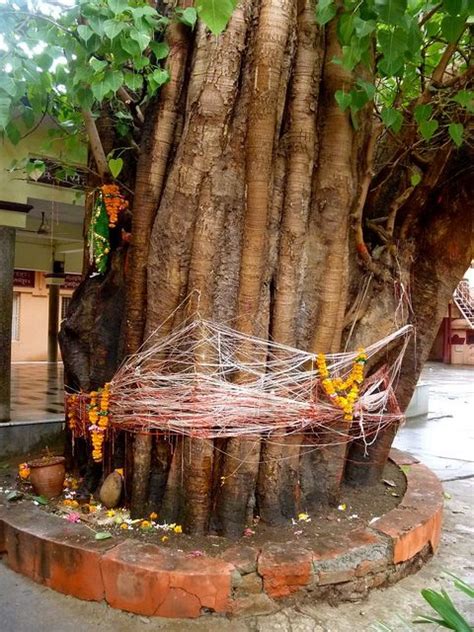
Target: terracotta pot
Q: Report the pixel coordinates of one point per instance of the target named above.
(47, 476)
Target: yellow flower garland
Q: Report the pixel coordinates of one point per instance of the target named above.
(99, 420)
(344, 393)
(72, 420)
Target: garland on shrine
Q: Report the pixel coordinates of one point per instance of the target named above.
(344, 393)
(108, 204)
(99, 420)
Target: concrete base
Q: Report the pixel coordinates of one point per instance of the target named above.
(152, 580)
(419, 403)
(25, 437)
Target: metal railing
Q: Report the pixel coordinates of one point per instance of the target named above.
(465, 302)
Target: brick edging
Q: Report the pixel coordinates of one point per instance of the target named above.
(150, 580)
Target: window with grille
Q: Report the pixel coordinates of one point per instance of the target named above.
(65, 301)
(16, 316)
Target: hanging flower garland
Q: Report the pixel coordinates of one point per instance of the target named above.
(108, 204)
(344, 393)
(71, 413)
(98, 411)
(114, 202)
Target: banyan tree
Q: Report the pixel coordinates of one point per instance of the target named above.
(275, 188)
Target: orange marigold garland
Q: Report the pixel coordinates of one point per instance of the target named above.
(99, 420)
(114, 202)
(344, 393)
(71, 413)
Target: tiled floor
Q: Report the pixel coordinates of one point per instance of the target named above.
(37, 391)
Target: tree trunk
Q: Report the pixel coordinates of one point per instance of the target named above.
(254, 206)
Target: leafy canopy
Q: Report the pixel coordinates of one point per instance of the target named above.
(65, 58)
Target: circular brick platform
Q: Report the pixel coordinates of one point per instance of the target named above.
(148, 580)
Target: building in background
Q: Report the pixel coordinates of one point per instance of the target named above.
(41, 247)
(30, 313)
(454, 342)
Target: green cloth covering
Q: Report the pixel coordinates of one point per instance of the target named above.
(98, 238)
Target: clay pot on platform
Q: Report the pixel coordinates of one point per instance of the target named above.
(47, 475)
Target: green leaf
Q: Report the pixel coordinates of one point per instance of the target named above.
(215, 14)
(131, 47)
(14, 495)
(453, 7)
(157, 78)
(103, 535)
(133, 81)
(84, 97)
(443, 605)
(463, 586)
(160, 49)
(393, 43)
(345, 27)
(391, 11)
(325, 11)
(115, 166)
(13, 133)
(112, 28)
(452, 27)
(97, 64)
(423, 112)
(41, 500)
(85, 33)
(187, 16)
(367, 87)
(100, 90)
(358, 99)
(117, 6)
(428, 128)
(364, 27)
(465, 98)
(5, 104)
(142, 39)
(35, 169)
(392, 118)
(415, 178)
(343, 99)
(405, 469)
(97, 24)
(456, 131)
(113, 80)
(7, 84)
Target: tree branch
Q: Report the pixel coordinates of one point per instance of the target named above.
(95, 144)
(364, 189)
(125, 97)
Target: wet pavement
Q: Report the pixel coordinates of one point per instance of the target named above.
(36, 391)
(443, 439)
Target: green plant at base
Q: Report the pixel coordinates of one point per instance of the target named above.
(449, 616)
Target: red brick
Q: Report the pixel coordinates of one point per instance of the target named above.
(244, 558)
(284, 569)
(417, 520)
(147, 579)
(54, 553)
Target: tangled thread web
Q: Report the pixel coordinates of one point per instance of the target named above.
(206, 380)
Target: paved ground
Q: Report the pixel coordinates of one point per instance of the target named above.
(37, 391)
(444, 440)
